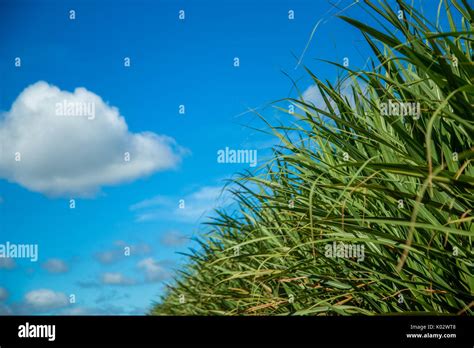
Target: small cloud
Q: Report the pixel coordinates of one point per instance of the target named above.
(3, 294)
(121, 251)
(101, 310)
(76, 311)
(154, 271)
(189, 208)
(5, 309)
(7, 263)
(116, 279)
(55, 266)
(111, 296)
(174, 238)
(312, 95)
(135, 249)
(147, 203)
(45, 299)
(109, 256)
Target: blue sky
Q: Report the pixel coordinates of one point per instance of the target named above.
(174, 62)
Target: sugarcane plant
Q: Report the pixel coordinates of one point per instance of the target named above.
(366, 205)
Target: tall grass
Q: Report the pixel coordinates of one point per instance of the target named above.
(400, 186)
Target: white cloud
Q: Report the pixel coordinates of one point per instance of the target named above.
(196, 205)
(313, 95)
(111, 296)
(76, 311)
(7, 263)
(45, 299)
(76, 155)
(3, 294)
(119, 253)
(55, 266)
(109, 309)
(116, 279)
(151, 202)
(153, 270)
(174, 238)
(134, 249)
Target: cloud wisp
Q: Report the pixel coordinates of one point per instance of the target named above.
(189, 208)
(154, 271)
(43, 300)
(55, 266)
(121, 251)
